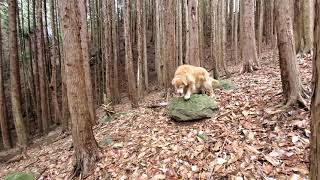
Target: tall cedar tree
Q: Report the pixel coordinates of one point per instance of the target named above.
(193, 45)
(22, 136)
(248, 43)
(54, 66)
(214, 56)
(169, 42)
(290, 77)
(132, 87)
(42, 68)
(3, 108)
(85, 145)
(85, 53)
(108, 54)
(315, 102)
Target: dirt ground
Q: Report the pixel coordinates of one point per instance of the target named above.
(246, 139)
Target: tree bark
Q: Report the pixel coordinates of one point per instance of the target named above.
(54, 65)
(268, 19)
(85, 53)
(248, 43)
(22, 136)
(35, 67)
(235, 32)
(193, 33)
(223, 36)
(140, 46)
(85, 146)
(132, 88)
(259, 25)
(179, 32)
(214, 53)
(290, 77)
(158, 42)
(41, 68)
(169, 41)
(3, 107)
(108, 54)
(115, 42)
(315, 101)
(307, 25)
(298, 25)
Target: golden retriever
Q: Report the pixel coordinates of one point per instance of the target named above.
(190, 80)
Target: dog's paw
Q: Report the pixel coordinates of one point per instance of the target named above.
(187, 97)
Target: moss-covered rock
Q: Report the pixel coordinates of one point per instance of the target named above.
(199, 106)
(20, 176)
(225, 84)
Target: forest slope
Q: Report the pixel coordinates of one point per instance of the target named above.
(245, 138)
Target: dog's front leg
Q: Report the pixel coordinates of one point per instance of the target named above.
(188, 93)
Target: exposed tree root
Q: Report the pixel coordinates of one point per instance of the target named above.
(298, 100)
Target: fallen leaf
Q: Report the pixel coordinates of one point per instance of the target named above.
(272, 160)
(220, 161)
(159, 176)
(118, 145)
(217, 146)
(252, 149)
(295, 139)
(301, 168)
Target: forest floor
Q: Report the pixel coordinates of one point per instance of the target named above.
(245, 139)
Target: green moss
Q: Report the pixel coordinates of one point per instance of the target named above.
(226, 84)
(20, 176)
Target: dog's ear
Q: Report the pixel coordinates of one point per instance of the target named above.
(201, 78)
(185, 82)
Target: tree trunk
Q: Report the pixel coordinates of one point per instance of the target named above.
(132, 88)
(169, 41)
(144, 37)
(298, 26)
(179, 32)
(223, 36)
(213, 39)
(158, 42)
(54, 65)
(201, 35)
(268, 19)
(3, 108)
(140, 78)
(108, 54)
(259, 25)
(19, 123)
(307, 25)
(115, 42)
(85, 53)
(290, 77)
(187, 30)
(85, 146)
(193, 34)
(41, 67)
(235, 32)
(35, 67)
(65, 104)
(315, 101)
(248, 43)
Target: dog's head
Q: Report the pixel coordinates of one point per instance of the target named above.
(179, 84)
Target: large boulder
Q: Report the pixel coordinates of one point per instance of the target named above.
(199, 106)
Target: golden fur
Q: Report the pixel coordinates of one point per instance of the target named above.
(190, 79)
